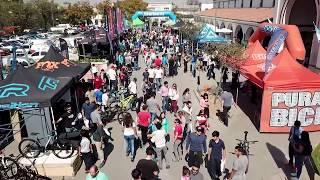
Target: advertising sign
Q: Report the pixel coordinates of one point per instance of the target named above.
(281, 108)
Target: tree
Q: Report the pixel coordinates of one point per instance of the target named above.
(102, 6)
(130, 7)
(79, 13)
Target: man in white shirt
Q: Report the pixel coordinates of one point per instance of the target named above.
(158, 77)
(151, 74)
(105, 99)
(112, 74)
(227, 99)
(159, 138)
(133, 87)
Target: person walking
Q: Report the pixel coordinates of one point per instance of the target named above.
(303, 150)
(216, 154)
(294, 137)
(240, 165)
(144, 118)
(95, 174)
(174, 97)
(153, 106)
(185, 63)
(112, 74)
(227, 100)
(136, 174)
(129, 133)
(177, 140)
(158, 137)
(148, 167)
(185, 173)
(196, 145)
(204, 104)
(195, 172)
(164, 92)
(85, 150)
(186, 96)
(158, 77)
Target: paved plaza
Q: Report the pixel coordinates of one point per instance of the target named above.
(268, 161)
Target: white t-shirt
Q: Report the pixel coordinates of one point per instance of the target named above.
(129, 131)
(132, 87)
(105, 99)
(158, 73)
(94, 69)
(158, 137)
(151, 73)
(84, 145)
(112, 74)
(173, 94)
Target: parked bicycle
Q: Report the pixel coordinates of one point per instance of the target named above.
(8, 167)
(245, 144)
(31, 148)
(11, 168)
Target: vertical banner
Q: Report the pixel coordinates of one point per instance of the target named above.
(106, 24)
(114, 13)
(281, 108)
(118, 21)
(110, 23)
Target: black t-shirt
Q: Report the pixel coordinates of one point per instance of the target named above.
(67, 119)
(216, 149)
(147, 167)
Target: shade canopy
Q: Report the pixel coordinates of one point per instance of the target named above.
(285, 73)
(55, 65)
(137, 23)
(27, 88)
(207, 34)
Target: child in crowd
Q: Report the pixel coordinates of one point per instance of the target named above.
(185, 173)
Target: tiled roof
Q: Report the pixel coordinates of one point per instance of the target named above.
(242, 14)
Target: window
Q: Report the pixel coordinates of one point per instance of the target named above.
(273, 3)
(166, 8)
(241, 3)
(43, 53)
(261, 3)
(250, 3)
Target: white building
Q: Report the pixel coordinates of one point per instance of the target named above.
(206, 6)
(97, 20)
(159, 5)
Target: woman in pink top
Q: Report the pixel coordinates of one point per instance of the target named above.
(177, 140)
(185, 173)
(202, 120)
(204, 104)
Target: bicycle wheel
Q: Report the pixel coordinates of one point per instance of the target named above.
(62, 150)
(121, 116)
(29, 148)
(133, 105)
(9, 168)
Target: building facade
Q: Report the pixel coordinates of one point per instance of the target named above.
(159, 5)
(243, 16)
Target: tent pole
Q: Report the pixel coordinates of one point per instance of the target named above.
(237, 95)
(53, 121)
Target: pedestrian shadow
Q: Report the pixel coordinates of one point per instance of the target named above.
(280, 159)
(108, 150)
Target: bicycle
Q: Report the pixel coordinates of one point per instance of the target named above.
(8, 167)
(121, 108)
(245, 144)
(31, 148)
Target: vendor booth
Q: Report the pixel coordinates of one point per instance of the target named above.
(290, 91)
(208, 35)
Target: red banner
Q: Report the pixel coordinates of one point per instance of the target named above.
(281, 108)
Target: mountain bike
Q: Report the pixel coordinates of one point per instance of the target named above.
(8, 167)
(245, 144)
(125, 104)
(60, 147)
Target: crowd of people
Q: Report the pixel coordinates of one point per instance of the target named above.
(148, 128)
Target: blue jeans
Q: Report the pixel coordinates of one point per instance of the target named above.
(165, 103)
(129, 144)
(158, 83)
(153, 116)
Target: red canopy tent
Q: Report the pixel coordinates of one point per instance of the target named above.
(290, 91)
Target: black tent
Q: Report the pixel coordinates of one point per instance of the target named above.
(55, 65)
(27, 88)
